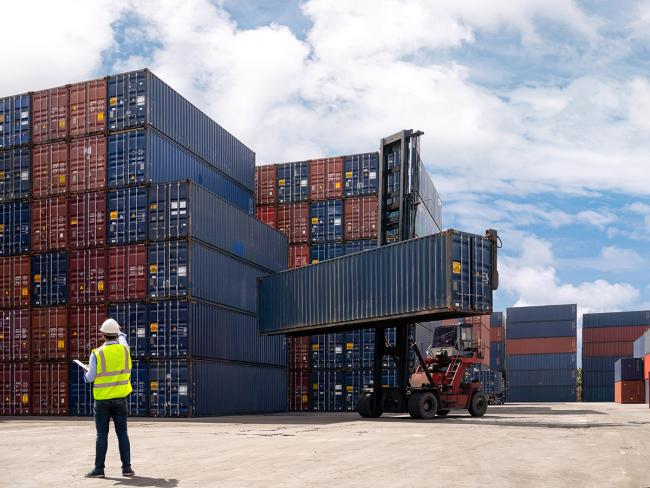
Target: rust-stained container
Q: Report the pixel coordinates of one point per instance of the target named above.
(127, 273)
(621, 349)
(629, 392)
(15, 382)
(293, 221)
(84, 330)
(265, 190)
(50, 115)
(541, 345)
(87, 216)
(88, 164)
(49, 334)
(50, 388)
(326, 178)
(14, 335)
(88, 107)
(87, 276)
(50, 169)
(266, 215)
(49, 224)
(14, 282)
(298, 255)
(496, 334)
(360, 217)
(613, 334)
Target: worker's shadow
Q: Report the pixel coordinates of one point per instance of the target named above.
(145, 481)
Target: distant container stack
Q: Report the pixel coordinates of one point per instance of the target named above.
(541, 354)
(606, 338)
(98, 219)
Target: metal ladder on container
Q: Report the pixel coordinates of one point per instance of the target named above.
(452, 371)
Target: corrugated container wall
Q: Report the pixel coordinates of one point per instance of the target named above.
(14, 228)
(49, 279)
(50, 115)
(293, 182)
(88, 107)
(360, 174)
(15, 388)
(50, 170)
(15, 339)
(265, 180)
(325, 178)
(14, 282)
(88, 164)
(15, 121)
(15, 171)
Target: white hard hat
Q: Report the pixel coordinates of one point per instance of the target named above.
(110, 327)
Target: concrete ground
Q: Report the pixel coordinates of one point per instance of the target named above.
(527, 445)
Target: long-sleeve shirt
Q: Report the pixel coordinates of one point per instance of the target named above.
(92, 362)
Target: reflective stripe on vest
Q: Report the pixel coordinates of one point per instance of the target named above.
(113, 372)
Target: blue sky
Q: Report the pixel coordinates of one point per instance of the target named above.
(535, 112)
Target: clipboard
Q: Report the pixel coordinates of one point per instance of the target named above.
(82, 365)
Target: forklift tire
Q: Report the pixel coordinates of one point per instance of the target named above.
(443, 413)
(423, 405)
(478, 405)
(364, 407)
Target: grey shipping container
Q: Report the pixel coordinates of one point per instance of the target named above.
(190, 269)
(181, 388)
(616, 319)
(184, 209)
(531, 330)
(139, 98)
(426, 278)
(642, 345)
(543, 313)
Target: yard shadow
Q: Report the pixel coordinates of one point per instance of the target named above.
(145, 481)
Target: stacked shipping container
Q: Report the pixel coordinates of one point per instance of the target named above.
(93, 224)
(541, 354)
(628, 381)
(607, 337)
(642, 351)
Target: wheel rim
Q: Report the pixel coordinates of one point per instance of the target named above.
(427, 406)
(480, 404)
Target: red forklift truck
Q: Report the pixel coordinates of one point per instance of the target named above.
(441, 382)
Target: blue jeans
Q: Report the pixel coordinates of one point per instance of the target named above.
(115, 408)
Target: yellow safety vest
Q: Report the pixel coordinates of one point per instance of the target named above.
(113, 379)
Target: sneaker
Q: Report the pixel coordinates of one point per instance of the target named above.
(128, 471)
(95, 473)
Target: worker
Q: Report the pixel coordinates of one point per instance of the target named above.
(109, 370)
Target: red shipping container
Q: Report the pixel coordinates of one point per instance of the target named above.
(298, 391)
(293, 221)
(49, 333)
(613, 334)
(49, 224)
(541, 345)
(127, 277)
(298, 352)
(50, 167)
(15, 380)
(496, 334)
(298, 255)
(87, 214)
(326, 178)
(360, 216)
(14, 282)
(623, 349)
(14, 335)
(88, 107)
(84, 330)
(50, 389)
(265, 190)
(481, 333)
(629, 392)
(87, 276)
(646, 367)
(266, 215)
(50, 115)
(88, 164)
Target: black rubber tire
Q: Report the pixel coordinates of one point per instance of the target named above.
(478, 405)
(364, 407)
(443, 413)
(413, 406)
(424, 405)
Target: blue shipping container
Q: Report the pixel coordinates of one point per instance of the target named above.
(351, 247)
(542, 394)
(127, 215)
(198, 388)
(496, 356)
(628, 369)
(15, 167)
(597, 378)
(139, 98)
(326, 221)
(616, 319)
(14, 228)
(360, 174)
(544, 313)
(139, 398)
(133, 319)
(15, 121)
(531, 330)
(599, 363)
(354, 382)
(183, 209)
(49, 279)
(598, 394)
(444, 272)
(145, 156)
(537, 362)
(182, 328)
(496, 319)
(547, 377)
(323, 251)
(293, 182)
(189, 269)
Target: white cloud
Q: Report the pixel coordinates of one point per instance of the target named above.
(610, 259)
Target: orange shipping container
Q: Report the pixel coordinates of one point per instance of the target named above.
(543, 345)
(629, 392)
(620, 349)
(50, 115)
(360, 217)
(613, 334)
(88, 107)
(50, 165)
(326, 178)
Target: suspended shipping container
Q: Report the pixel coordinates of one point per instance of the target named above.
(15, 170)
